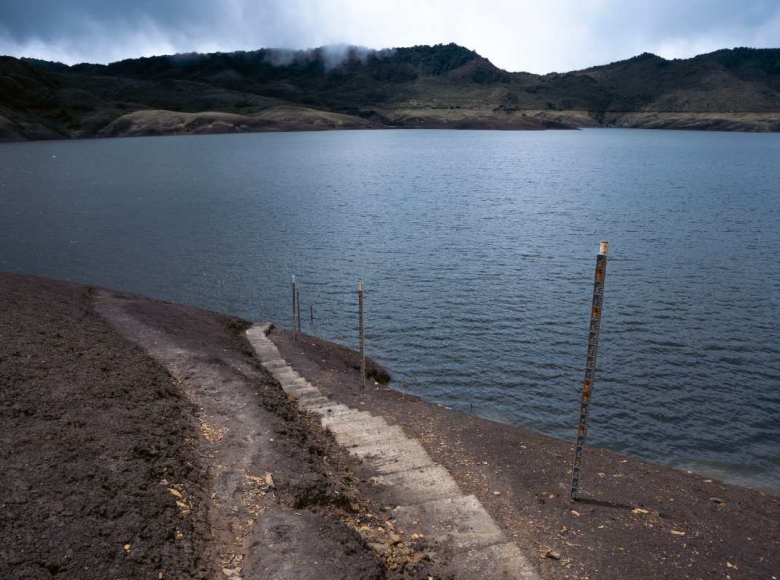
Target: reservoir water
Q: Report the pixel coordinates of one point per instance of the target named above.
(478, 251)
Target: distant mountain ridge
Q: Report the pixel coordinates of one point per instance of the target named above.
(445, 86)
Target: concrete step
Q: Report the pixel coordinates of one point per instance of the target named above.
(347, 418)
(373, 435)
(297, 385)
(264, 347)
(315, 403)
(308, 395)
(285, 373)
(418, 485)
(304, 392)
(386, 449)
(276, 363)
(292, 381)
(430, 501)
(257, 331)
(395, 462)
(459, 522)
(352, 424)
(293, 388)
(499, 562)
(267, 354)
(331, 409)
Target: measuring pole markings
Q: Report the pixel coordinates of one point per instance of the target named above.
(294, 308)
(298, 307)
(361, 291)
(590, 365)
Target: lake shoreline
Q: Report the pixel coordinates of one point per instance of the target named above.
(163, 123)
(636, 519)
(476, 240)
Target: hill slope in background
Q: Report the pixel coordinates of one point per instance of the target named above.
(444, 86)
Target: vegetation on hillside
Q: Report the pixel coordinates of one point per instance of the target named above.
(441, 85)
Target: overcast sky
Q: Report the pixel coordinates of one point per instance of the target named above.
(537, 36)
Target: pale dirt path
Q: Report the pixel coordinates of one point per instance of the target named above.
(258, 461)
(234, 435)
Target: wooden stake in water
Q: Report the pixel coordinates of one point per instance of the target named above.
(298, 307)
(590, 365)
(311, 307)
(361, 292)
(295, 309)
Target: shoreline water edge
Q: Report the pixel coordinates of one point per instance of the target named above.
(635, 519)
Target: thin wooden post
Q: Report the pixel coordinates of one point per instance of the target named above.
(361, 292)
(294, 308)
(590, 365)
(298, 306)
(311, 308)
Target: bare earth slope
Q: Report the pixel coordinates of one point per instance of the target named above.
(178, 458)
(142, 439)
(84, 445)
(159, 122)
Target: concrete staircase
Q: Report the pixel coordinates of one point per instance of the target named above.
(428, 499)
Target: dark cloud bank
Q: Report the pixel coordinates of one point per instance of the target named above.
(101, 31)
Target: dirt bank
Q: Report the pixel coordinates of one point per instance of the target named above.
(637, 520)
(89, 428)
(142, 439)
(282, 118)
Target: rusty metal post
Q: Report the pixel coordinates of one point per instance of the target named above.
(361, 292)
(590, 365)
(295, 309)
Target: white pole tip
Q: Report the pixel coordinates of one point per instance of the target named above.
(603, 248)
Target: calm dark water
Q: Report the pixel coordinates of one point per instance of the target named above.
(478, 250)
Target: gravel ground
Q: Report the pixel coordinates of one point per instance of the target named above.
(635, 520)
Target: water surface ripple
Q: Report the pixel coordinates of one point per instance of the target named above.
(478, 250)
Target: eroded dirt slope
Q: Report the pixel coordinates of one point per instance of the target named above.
(89, 427)
(140, 439)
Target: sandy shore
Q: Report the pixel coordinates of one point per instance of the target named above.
(142, 439)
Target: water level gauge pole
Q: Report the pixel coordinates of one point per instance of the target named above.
(361, 292)
(590, 365)
(295, 309)
(298, 308)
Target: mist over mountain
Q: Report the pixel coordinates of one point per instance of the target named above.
(444, 86)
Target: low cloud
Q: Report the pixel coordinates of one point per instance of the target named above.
(332, 56)
(516, 35)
